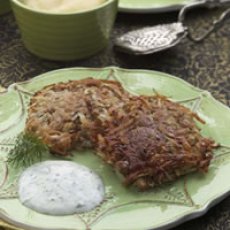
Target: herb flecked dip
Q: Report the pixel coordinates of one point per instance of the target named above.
(60, 188)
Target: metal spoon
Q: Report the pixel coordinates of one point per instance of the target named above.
(161, 37)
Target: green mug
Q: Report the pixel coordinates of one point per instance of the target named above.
(4, 6)
(65, 36)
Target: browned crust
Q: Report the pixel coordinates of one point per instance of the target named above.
(148, 139)
(156, 141)
(66, 115)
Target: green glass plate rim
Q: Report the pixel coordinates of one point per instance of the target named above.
(190, 214)
(146, 9)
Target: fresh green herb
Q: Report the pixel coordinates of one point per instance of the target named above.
(28, 149)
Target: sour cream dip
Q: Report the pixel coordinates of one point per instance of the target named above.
(60, 188)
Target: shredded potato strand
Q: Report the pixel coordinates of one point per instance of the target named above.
(149, 140)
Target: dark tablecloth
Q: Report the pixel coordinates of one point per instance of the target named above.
(205, 65)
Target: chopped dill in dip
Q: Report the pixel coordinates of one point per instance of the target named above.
(60, 188)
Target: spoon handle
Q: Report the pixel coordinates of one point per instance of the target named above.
(215, 25)
(207, 4)
(204, 3)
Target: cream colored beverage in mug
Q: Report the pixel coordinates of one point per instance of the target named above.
(62, 6)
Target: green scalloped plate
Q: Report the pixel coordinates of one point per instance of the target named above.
(123, 208)
(151, 6)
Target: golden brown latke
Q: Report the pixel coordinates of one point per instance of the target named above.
(155, 142)
(67, 115)
(147, 139)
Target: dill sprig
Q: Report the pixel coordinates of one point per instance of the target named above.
(28, 149)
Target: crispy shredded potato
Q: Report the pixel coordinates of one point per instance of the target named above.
(67, 115)
(149, 140)
(156, 141)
